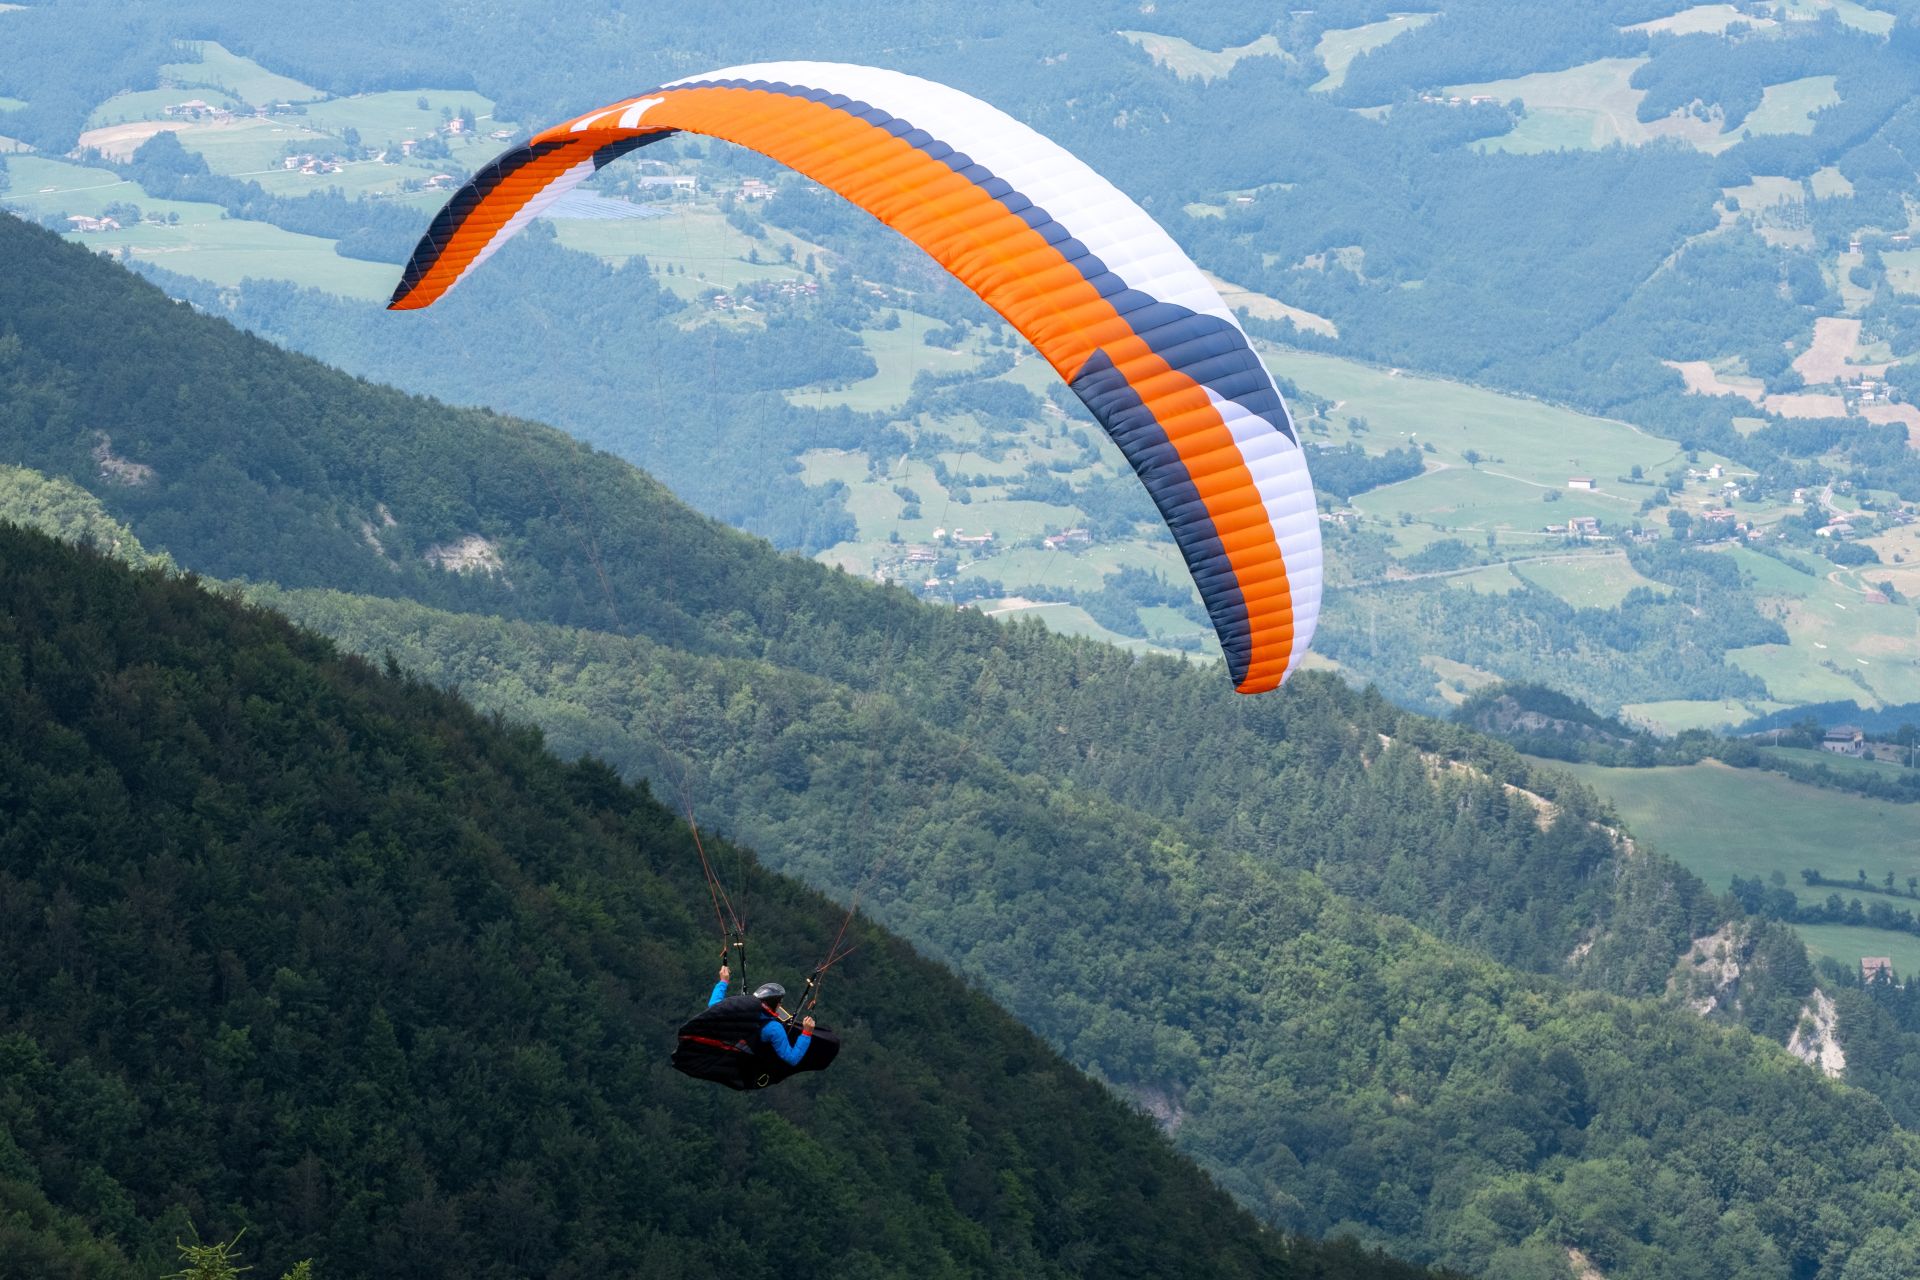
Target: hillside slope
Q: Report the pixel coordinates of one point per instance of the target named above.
(296, 946)
(271, 467)
(1337, 1067)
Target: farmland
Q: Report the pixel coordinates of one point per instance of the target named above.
(1720, 823)
(202, 240)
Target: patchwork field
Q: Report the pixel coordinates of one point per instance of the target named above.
(198, 239)
(1720, 823)
(1596, 105)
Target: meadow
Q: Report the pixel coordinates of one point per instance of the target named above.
(1191, 62)
(1338, 48)
(1596, 105)
(1720, 823)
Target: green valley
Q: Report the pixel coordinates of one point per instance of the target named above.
(1365, 904)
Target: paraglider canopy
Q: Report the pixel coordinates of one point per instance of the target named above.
(1079, 269)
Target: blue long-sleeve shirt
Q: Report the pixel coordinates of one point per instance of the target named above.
(788, 1050)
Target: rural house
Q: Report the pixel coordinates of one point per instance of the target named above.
(1844, 739)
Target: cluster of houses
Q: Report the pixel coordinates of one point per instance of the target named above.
(754, 189)
(1067, 538)
(1871, 391)
(197, 110)
(81, 222)
(677, 183)
(310, 164)
(1456, 100)
(762, 290)
(1582, 527)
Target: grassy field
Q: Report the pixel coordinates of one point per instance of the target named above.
(1764, 193)
(1494, 580)
(1841, 646)
(1190, 62)
(40, 185)
(215, 67)
(1844, 765)
(251, 147)
(1460, 501)
(1848, 943)
(1875, 21)
(1772, 578)
(1592, 105)
(900, 354)
(1700, 19)
(1338, 49)
(380, 118)
(1599, 582)
(226, 251)
(1829, 182)
(204, 242)
(1596, 105)
(151, 104)
(1072, 620)
(1903, 269)
(1455, 680)
(217, 77)
(1723, 822)
(1720, 823)
(696, 238)
(1679, 715)
(1536, 443)
(1789, 107)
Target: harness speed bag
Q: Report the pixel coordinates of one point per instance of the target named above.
(723, 1045)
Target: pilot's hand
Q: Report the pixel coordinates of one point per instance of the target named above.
(725, 973)
(806, 1023)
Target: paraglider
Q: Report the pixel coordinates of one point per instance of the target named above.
(1081, 271)
(749, 1042)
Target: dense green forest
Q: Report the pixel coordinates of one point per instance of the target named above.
(1246, 945)
(301, 948)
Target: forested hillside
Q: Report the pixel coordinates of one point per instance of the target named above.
(301, 948)
(1245, 943)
